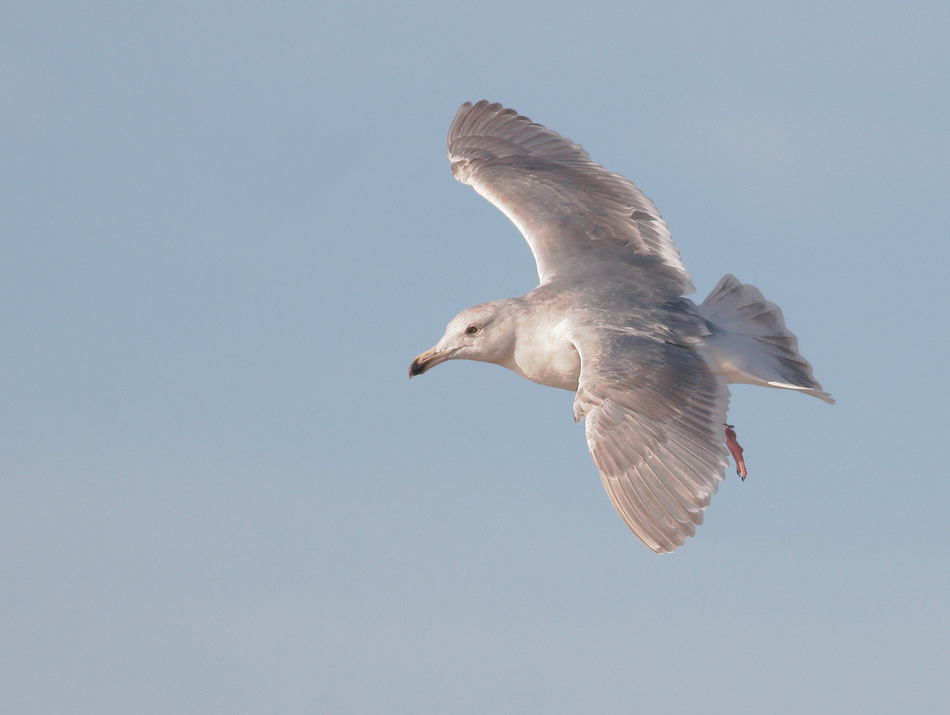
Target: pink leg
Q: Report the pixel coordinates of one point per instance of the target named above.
(736, 451)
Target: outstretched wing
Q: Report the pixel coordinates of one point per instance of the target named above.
(655, 416)
(572, 212)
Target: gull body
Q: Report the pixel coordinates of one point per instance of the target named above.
(610, 322)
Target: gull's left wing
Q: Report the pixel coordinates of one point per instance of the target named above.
(575, 215)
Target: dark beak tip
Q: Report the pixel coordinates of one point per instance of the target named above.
(426, 361)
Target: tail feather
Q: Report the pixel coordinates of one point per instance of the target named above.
(751, 342)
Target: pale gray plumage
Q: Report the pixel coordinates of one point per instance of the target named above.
(609, 320)
(571, 211)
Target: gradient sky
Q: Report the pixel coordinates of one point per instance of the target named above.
(227, 228)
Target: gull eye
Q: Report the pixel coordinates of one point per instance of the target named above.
(471, 330)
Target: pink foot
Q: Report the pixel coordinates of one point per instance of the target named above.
(736, 451)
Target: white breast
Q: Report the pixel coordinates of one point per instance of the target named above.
(545, 355)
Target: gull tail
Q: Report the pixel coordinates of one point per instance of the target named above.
(751, 343)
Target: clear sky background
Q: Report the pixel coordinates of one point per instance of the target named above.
(227, 228)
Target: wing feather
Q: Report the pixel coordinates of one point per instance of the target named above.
(654, 421)
(573, 212)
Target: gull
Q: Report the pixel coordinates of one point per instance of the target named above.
(609, 321)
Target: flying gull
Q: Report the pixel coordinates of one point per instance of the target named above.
(610, 322)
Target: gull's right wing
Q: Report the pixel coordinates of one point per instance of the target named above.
(655, 414)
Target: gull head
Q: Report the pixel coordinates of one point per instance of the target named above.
(485, 332)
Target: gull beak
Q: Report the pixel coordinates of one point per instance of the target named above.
(430, 358)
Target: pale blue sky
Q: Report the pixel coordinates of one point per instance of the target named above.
(227, 228)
